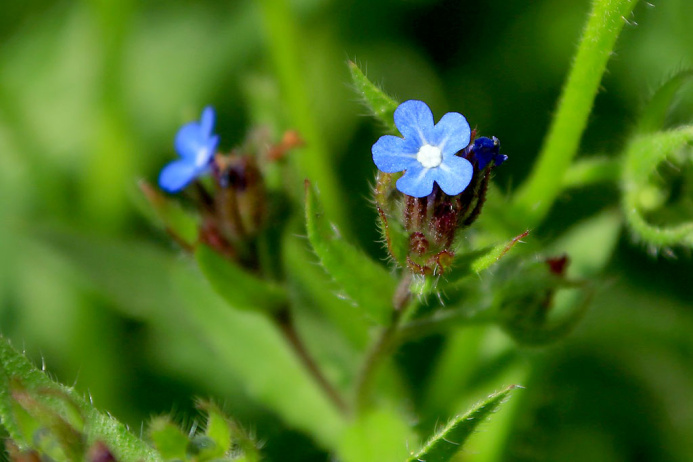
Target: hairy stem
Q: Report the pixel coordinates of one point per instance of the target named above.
(540, 190)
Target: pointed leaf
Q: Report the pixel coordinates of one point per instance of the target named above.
(367, 283)
(480, 260)
(14, 366)
(382, 106)
(655, 113)
(443, 445)
(496, 253)
(241, 289)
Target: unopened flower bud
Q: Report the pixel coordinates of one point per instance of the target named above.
(418, 244)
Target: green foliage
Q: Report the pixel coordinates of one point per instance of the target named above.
(336, 360)
(483, 262)
(377, 436)
(655, 113)
(169, 214)
(168, 438)
(368, 284)
(442, 446)
(381, 106)
(181, 295)
(642, 157)
(241, 289)
(537, 194)
(46, 401)
(222, 439)
(585, 172)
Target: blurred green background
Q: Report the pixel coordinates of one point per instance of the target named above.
(92, 93)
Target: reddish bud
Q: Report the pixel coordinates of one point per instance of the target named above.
(418, 244)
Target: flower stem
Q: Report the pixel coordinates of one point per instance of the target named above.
(538, 193)
(286, 324)
(384, 343)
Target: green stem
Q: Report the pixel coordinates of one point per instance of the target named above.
(313, 160)
(385, 342)
(540, 190)
(285, 322)
(439, 322)
(592, 170)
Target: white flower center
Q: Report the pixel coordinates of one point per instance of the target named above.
(429, 156)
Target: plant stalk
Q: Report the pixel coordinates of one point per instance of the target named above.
(538, 193)
(286, 324)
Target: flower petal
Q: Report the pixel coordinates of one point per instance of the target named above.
(176, 175)
(451, 133)
(414, 120)
(453, 175)
(393, 154)
(207, 121)
(416, 182)
(189, 140)
(206, 153)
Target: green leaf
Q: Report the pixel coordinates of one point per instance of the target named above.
(241, 289)
(495, 254)
(167, 213)
(169, 293)
(14, 366)
(655, 113)
(642, 157)
(442, 446)
(377, 436)
(306, 285)
(168, 439)
(382, 106)
(365, 282)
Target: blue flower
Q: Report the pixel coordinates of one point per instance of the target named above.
(196, 146)
(427, 151)
(486, 150)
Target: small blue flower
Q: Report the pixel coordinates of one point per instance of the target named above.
(427, 151)
(196, 146)
(486, 150)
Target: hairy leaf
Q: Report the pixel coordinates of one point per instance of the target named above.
(97, 426)
(442, 446)
(367, 283)
(382, 106)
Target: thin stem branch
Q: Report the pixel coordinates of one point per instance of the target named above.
(384, 343)
(286, 324)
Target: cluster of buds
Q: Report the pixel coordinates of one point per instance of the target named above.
(228, 191)
(446, 174)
